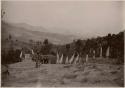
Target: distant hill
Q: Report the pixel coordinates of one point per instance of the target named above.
(25, 32)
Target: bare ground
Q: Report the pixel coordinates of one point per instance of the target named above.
(24, 74)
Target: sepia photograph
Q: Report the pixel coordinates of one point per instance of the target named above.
(62, 43)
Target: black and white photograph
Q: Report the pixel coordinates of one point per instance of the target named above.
(62, 43)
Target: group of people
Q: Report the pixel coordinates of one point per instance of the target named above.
(39, 59)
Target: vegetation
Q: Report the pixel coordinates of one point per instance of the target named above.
(81, 47)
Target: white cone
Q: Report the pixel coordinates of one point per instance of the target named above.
(77, 58)
(61, 59)
(94, 54)
(32, 52)
(71, 60)
(101, 52)
(57, 61)
(87, 58)
(107, 52)
(21, 54)
(67, 61)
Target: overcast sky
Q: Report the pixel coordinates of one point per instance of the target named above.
(69, 17)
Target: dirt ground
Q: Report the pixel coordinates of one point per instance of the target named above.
(24, 74)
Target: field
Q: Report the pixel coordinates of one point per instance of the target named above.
(91, 74)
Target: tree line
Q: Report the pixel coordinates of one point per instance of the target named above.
(81, 47)
(114, 41)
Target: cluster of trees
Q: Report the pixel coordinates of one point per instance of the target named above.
(9, 52)
(115, 42)
(83, 47)
(12, 56)
(42, 48)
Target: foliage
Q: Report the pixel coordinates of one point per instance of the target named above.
(12, 56)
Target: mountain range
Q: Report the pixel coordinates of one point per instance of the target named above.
(25, 32)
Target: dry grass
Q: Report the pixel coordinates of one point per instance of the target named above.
(91, 74)
(70, 76)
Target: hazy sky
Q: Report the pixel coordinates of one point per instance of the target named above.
(70, 17)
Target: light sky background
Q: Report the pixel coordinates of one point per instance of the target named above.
(83, 18)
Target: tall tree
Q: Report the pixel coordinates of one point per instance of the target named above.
(67, 47)
(46, 47)
(78, 46)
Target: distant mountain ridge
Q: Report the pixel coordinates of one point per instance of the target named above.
(25, 32)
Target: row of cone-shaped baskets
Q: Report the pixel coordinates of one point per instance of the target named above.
(72, 60)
